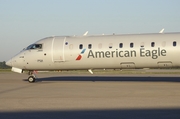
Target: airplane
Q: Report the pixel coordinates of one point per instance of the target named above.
(117, 51)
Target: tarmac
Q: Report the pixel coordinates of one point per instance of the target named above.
(86, 96)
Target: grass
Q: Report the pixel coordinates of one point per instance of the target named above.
(117, 71)
(133, 71)
(5, 70)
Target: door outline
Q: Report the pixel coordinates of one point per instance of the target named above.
(58, 56)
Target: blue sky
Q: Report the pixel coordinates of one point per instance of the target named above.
(23, 22)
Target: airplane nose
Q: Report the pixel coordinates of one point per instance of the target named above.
(9, 63)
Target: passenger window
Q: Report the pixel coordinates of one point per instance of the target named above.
(131, 45)
(110, 45)
(120, 45)
(174, 43)
(89, 46)
(152, 44)
(81, 46)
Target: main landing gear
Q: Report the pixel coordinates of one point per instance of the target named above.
(32, 76)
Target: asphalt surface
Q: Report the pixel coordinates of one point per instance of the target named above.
(78, 96)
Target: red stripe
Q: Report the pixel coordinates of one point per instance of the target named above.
(79, 57)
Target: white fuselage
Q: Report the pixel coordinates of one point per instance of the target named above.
(99, 52)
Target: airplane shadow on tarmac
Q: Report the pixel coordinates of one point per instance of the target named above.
(95, 114)
(109, 78)
(152, 113)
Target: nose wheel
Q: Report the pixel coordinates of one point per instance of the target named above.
(31, 79)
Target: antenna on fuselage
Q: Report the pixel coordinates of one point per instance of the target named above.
(161, 31)
(85, 34)
(90, 71)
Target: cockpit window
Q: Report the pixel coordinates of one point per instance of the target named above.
(34, 46)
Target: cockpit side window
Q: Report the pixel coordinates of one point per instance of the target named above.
(34, 46)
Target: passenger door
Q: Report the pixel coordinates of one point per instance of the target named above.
(58, 49)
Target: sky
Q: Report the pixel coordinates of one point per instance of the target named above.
(23, 22)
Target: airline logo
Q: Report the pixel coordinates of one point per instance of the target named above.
(154, 54)
(81, 54)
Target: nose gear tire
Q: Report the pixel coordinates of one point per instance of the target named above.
(31, 79)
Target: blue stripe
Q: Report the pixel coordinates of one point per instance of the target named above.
(83, 51)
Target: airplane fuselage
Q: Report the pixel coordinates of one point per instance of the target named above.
(99, 52)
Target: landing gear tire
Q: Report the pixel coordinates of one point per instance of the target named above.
(31, 79)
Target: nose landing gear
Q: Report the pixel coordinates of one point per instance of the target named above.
(32, 77)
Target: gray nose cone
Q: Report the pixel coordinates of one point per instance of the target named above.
(9, 63)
